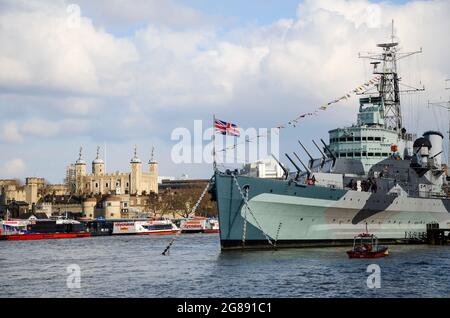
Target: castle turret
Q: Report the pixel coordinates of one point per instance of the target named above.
(153, 169)
(80, 172)
(98, 165)
(136, 174)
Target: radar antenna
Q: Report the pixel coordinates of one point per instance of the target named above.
(389, 85)
(445, 105)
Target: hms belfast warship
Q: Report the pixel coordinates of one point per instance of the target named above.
(373, 176)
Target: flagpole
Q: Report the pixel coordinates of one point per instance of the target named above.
(214, 143)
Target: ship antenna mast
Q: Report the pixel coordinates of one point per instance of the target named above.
(445, 105)
(389, 85)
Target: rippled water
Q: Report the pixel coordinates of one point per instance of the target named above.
(133, 266)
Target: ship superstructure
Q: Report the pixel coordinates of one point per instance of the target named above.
(374, 174)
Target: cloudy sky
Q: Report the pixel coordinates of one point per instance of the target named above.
(129, 72)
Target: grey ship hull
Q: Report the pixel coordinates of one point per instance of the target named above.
(297, 215)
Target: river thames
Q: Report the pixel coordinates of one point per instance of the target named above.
(132, 266)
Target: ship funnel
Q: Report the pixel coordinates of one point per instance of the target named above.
(422, 148)
(435, 152)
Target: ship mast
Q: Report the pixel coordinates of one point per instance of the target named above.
(389, 85)
(445, 105)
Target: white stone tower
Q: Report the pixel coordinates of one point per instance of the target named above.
(153, 169)
(80, 172)
(98, 165)
(136, 174)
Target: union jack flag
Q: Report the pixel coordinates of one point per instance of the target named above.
(226, 128)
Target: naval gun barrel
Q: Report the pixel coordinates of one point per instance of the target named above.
(320, 150)
(295, 165)
(286, 173)
(329, 151)
(311, 161)
(306, 168)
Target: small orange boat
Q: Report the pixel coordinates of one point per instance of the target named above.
(365, 245)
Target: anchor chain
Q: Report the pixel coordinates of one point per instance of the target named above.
(194, 209)
(251, 212)
(278, 233)
(244, 229)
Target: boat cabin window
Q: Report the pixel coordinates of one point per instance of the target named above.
(364, 138)
(349, 138)
(350, 154)
(369, 138)
(377, 138)
(343, 155)
(357, 138)
(370, 154)
(342, 139)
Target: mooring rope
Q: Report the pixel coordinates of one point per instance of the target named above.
(194, 209)
(251, 212)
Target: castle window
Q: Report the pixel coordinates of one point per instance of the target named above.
(107, 185)
(96, 185)
(127, 184)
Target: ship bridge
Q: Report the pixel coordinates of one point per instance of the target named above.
(370, 141)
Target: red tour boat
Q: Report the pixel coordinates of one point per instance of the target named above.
(365, 245)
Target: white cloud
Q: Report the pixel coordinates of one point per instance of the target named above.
(89, 82)
(13, 168)
(41, 52)
(44, 128)
(10, 133)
